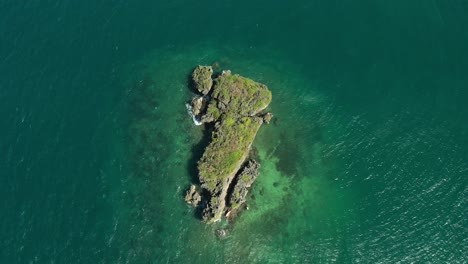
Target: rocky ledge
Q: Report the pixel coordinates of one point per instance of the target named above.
(233, 105)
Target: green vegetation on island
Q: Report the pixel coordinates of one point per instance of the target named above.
(234, 105)
(230, 142)
(201, 77)
(244, 180)
(240, 96)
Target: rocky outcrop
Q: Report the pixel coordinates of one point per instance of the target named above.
(243, 182)
(235, 107)
(239, 96)
(218, 202)
(267, 117)
(201, 77)
(192, 196)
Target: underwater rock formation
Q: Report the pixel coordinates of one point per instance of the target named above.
(235, 106)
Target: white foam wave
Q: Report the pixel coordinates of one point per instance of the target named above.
(195, 118)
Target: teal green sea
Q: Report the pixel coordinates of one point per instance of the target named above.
(366, 160)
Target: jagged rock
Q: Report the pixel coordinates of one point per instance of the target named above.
(201, 77)
(244, 180)
(212, 114)
(192, 196)
(267, 117)
(199, 104)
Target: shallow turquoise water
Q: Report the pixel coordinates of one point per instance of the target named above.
(366, 161)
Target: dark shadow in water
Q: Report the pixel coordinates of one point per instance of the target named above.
(291, 152)
(197, 152)
(288, 154)
(146, 148)
(199, 148)
(254, 155)
(189, 82)
(142, 99)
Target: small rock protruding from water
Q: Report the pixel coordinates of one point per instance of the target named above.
(267, 117)
(199, 104)
(201, 77)
(192, 196)
(244, 180)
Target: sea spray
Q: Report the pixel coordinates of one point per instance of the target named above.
(196, 119)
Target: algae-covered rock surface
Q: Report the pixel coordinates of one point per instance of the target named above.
(243, 182)
(230, 142)
(240, 96)
(201, 77)
(235, 113)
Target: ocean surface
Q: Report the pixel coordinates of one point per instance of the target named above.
(366, 160)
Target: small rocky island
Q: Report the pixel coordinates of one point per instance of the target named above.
(233, 106)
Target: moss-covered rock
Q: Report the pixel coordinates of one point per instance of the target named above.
(267, 117)
(234, 107)
(199, 104)
(192, 196)
(212, 114)
(230, 144)
(240, 96)
(201, 77)
(243, 182)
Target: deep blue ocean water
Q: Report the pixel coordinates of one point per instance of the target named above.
(366, 161)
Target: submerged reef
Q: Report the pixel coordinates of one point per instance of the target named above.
(232, 105)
